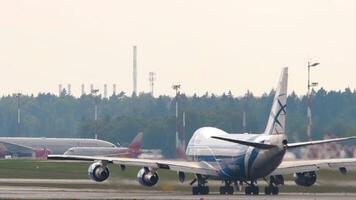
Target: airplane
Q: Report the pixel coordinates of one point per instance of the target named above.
(40, 147)
(133, 150)
(235, 159)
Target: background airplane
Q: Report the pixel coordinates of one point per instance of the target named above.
(232, 158)
(132, 151)
(41, 146)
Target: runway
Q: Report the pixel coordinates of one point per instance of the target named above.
(129, 189)
(18, 192)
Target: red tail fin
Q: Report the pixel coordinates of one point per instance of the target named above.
(136, 142)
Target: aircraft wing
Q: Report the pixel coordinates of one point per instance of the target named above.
(195, 167)
(301, 144)
(15, 147)
(299, 166)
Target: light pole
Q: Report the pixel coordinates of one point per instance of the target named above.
(183, 132)
(18, 130)
(176, 87)
(94, 92)
(309, 99)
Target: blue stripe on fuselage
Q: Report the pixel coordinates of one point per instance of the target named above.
(252, 159)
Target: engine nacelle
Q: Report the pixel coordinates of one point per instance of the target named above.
(305, 179)
(147, 177)
(98, 172)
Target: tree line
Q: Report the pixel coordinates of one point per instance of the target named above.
(121, 117)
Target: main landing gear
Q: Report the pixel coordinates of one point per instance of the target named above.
(271, 189)
(201, 189)
(251, 189)
(272, 185)
(227, 188)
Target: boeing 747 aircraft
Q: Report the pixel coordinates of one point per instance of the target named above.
(232, 158)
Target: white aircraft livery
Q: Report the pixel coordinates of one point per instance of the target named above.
(235, 159)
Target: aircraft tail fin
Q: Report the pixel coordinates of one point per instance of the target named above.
(277, 116)
(136, 142)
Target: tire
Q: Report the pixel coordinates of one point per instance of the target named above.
(275, 190)
(248, 190)
(255, 190)
(205, 190)
(230, 190)
(268, 190)
(195, 190)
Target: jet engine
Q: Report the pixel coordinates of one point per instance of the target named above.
(98, 172)
(147, 177)
(305, 179)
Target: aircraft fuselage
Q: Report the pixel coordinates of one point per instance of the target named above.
(236, 161)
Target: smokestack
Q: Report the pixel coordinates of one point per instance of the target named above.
(176, 88)
(60, 89)
(244, 122)
(105, 91)
(114, 89)
(91, 88)
(152, 78)
(69, 89)
(83, 89)
(134, 70)
(183, 133)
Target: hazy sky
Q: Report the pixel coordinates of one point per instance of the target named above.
(212, 46)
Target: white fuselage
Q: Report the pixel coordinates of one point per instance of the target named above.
(236, 161)
(56, 145)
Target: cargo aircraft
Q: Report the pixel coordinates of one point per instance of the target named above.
(236, 159)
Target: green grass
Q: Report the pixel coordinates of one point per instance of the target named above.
(42, 169)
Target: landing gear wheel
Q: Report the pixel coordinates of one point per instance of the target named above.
(195, 190)
(249, 190)
(226, 190)
(230, 190)
(255, 190)
(271, 190)
(275, 191)
(203, 190)
(200, 188)
(268, 190)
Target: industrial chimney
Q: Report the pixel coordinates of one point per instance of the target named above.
(105, 91)
(83, 89)
(134, 70)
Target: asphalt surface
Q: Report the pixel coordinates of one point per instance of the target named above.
(20, 192)
(68, 189)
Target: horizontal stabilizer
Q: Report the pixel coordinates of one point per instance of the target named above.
(247, 143)
(301, 144)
